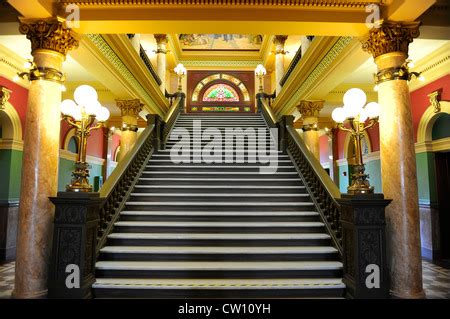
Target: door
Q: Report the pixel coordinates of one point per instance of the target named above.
(443, 192)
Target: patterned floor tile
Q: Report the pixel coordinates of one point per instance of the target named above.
(436, 280)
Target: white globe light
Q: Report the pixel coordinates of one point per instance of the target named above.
(352, 111)
(373, 110)
(92, 108)
(103, 114)
(363, 116)
(260, 70)
(67, 107)
(76, 113)
(85, 94)
(338, 115)
(355, 98)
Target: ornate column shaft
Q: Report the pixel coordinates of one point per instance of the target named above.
(136, 42)
(161, 51)
(130, 110)
(305, 43)
(310, 115)
(389, 46)
(279, 41)
(50, 43)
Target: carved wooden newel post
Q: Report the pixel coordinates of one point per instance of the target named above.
(364, 245)
(72, 268)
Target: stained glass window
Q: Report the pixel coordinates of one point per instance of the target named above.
(220, 93)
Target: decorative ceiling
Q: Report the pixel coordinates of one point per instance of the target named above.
(220, 42)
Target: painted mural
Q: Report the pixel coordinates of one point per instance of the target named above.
(219, 42)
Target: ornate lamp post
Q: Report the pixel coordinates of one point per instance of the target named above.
(181, 71)
(260, 71)
(357, 114)
(82, 114)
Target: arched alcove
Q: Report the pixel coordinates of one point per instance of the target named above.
(428, 119)
(11, 127)
(71, 141)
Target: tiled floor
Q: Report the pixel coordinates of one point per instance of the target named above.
(436, 280)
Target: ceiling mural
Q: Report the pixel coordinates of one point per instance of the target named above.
(220, 42)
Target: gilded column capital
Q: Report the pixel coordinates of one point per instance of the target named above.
(5, 94)
(310, 108)
(129, 107)
(161, 38)
(49, 34)
(279, 41)
(390, 37)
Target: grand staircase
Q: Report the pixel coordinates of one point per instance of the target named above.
(219, 229)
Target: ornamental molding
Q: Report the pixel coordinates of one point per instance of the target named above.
(49, 34)
(335, 51)
(130, 107)
(5, 94)
(99, 42)
(391, 37)
(310, 108)
(314, 4)
(221, 63)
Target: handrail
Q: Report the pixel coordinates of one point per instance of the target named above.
(322, 189)
(121, 182)
(291, 67)
(149, 65)
(171, 117)
(265, 109)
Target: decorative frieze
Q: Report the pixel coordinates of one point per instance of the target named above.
(391, 37)
(49, 34)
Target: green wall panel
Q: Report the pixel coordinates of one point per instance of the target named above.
(65, 173)
(373, 168)
(426, 178)
(10, 174)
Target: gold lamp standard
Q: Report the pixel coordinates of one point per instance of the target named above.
(356, 114)
(181, 71)
(260, 71)
(85, 114)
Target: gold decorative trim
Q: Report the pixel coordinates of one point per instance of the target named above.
(391, 37)
(345, 4)
(5, 94)
(49, 34)
(440, 145)
(9, 144)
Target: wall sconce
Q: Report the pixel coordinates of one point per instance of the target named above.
(357, 114)
(260, 71)
(82, 114)
(40, 73)
(181, 71)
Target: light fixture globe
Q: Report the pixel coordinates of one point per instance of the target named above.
(338, 115)
(85, 94)
(92, 108)
(77, 113)
(260, 70)
(355, 98)
(352, 111)
(372, 110)
(180, 70)
(103, 114)
(67, 107)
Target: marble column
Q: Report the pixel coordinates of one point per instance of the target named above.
(279, 41)
(389, 47)
(136, 42)
(50, 43)
(310, 114)
(107, 149)
(161, 51)
(305, 42)
(130, 111)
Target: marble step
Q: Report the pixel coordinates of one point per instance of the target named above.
(218, 288)
(228, 239)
